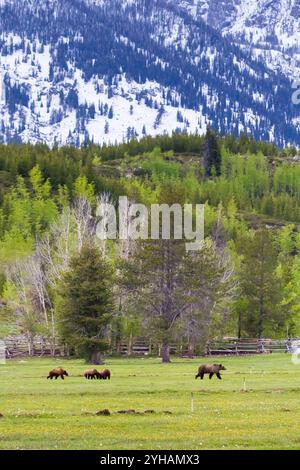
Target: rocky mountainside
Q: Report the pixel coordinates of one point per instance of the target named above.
(269, 29)
(76, 71)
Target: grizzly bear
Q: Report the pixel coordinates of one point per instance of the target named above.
(92, 374)
(60, 372)
(211, 370)
(104, 375)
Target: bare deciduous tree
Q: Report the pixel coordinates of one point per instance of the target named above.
(85, 222)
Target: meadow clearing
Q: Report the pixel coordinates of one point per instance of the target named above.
(44, 414)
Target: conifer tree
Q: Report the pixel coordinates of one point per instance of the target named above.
(260, 285)
(86, 304)
(212, 154)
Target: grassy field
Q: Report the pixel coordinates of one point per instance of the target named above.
(41, 414)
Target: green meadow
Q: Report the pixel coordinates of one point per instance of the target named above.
(43, 414)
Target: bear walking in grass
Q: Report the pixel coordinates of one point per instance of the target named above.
(104, 375)
(92, 374)
(55, 373)
(211, 370)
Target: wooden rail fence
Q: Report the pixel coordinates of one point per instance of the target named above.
(18, 346)
(234, 346)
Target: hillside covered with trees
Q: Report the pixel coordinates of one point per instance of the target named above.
(58, 280)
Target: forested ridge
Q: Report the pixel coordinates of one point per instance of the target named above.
(244, 282)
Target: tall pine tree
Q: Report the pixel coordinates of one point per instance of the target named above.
(260, 285)
(86, 304)
(212, 154)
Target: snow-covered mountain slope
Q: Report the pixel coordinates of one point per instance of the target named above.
(99, 112)
(109, 70)
(270, 29)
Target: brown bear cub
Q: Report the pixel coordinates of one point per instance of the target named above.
(55, 373)
(92, 374)
(104, 375)
(211, 370)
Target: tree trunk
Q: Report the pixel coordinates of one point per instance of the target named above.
(30, 346)
(191, 350)
(165, 354)
(261, 317)
(53, 339)
(118, 346)
(261, 324)
(129, 347)
(239, 325)
(96, 358)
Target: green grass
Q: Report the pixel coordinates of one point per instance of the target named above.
(41, 414)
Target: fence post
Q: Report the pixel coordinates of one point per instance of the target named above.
(2, 352)
(192, 403)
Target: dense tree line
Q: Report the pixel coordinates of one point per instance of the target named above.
(244, 282)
